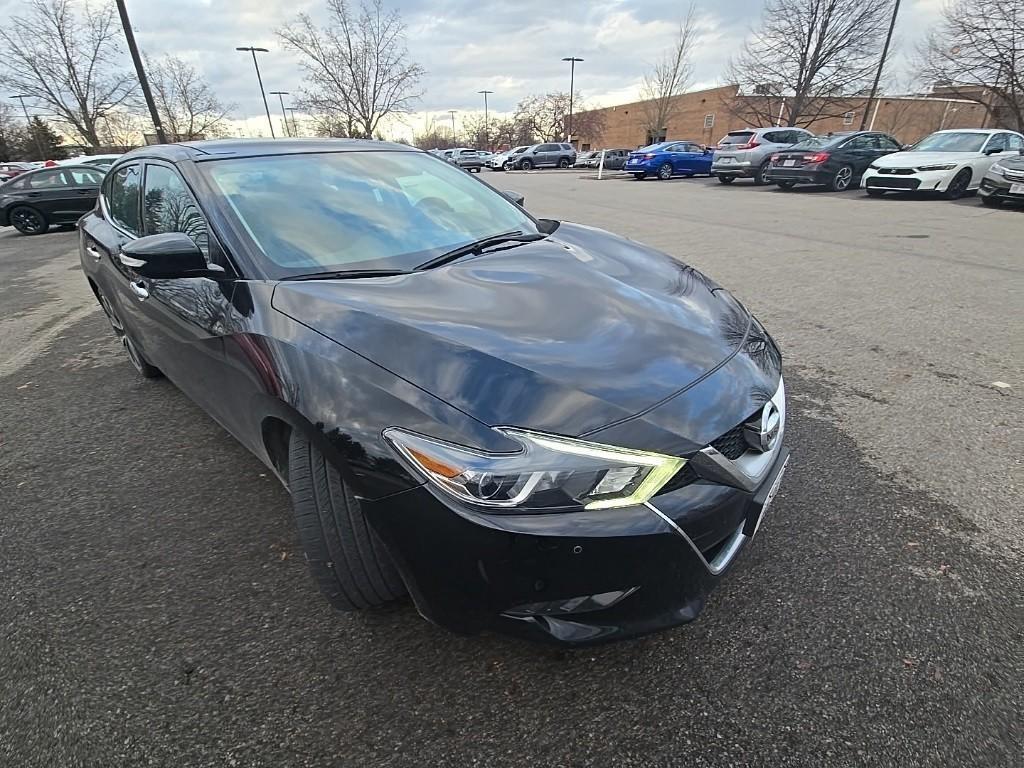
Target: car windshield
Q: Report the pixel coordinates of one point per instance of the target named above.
(815, 142)
(517, 150)
(951, 142)
(587, 155)
(736, 138)
(342, 211)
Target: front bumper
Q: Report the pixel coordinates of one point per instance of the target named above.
(918, 181)
(584, 577)
(1000, 187)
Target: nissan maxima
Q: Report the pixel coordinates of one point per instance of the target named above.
(526, 425)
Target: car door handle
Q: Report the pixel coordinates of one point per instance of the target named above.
(93, 251)
(33, 194)
(139, 288)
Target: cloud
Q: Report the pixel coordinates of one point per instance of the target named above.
(513, 49)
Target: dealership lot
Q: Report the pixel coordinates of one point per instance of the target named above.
(155, 607)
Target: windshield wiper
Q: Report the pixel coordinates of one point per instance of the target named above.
(351, 274)
(477, 246)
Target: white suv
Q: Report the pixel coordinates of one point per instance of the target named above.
(747, 152)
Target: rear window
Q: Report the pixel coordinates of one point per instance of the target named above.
(814, 142)
(736, 137)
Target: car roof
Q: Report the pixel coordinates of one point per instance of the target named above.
(219, 149)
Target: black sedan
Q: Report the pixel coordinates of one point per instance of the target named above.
(836, 161)
(31, 202)
(527, 425)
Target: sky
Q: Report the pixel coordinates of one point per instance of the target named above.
(511, 47)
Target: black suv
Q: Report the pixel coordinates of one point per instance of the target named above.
(541, 155)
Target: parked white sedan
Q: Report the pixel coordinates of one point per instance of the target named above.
(951, 162)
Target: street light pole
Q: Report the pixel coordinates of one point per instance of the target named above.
(881, 65)
(28, 124)
(572, 86)
(133, 49)
(452, 113)
(259, 79)
(284, 118)
(295, 125)
(487, 135)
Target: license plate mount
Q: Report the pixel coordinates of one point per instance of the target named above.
(1017, 189)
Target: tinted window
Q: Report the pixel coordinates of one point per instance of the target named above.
(999, 141)
(861, 142)
(170, 207)
(812, 142)
(47, 180)
(777, 137)
(548, 148)
(888, 143)
(953, 141)
(359, 210)
(123, 198)
(83, 177)
(736, 137)
(1015, 142)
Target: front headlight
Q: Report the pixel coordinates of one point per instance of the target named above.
(997, 169)
(938, 167)
(547, 474)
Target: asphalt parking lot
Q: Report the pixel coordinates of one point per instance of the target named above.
(155, 610)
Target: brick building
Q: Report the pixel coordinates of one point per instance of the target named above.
(705, 116)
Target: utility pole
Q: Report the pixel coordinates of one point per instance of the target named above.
(259, 79)
(28, 124)
(452, 113)
(572, 86)
(487, 134)
(284, 118)
(295, 125)
(133, 49)
(881, 65)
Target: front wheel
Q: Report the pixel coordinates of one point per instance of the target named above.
(841, 179)
(726, 179)
(665, 172)
(525, 165)
(28, 220)
(348, 561)
(508, 166)
(958, 186)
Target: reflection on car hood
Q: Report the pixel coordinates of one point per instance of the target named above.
(916, 159)
(565, 334)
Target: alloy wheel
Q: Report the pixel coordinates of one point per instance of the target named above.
(525, 165)
(842, 178)
(115, 323)
(958, 186)
(665, 172)
(28, 221)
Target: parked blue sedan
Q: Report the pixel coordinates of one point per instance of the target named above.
(669, 158)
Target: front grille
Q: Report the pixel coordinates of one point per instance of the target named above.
(1013, 175)
(732, 444)
(894, 183)
(896, 171)
(683, 477)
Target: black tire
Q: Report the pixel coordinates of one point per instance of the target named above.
(785, 186)
(639, 176)
(28, 220)
(563, 163)
(665, 172)
(726, 179)
(841, 179)
(345, 557)
(525, 165)
(135, 356)
(759, 179)
(958, 186)
(508, 166)
(992, 201)
(874, 192)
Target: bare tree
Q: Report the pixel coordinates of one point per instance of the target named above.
(357, 67)
(544, 116)
(977, 53)
(122, 129)
(808, 58)
(668, 78)
(68, 62)
(188, 107)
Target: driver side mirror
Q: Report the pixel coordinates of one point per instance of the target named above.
(172, 254)
(907, 147)
(515, 197)
(993, 150)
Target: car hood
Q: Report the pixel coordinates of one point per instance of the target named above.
(567, 334)
(917, 159)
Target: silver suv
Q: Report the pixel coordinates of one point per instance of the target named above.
(540, 155)
(746, 153)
